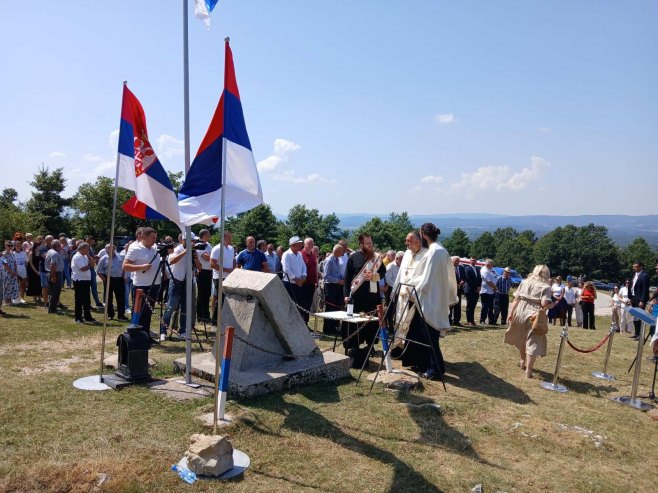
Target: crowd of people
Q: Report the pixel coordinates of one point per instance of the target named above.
(422, 287)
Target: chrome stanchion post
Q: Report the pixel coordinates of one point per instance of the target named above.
(554, 386)
(633, 401)
(603, 374)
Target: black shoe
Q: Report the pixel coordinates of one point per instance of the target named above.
(636, 338)
(123, 319)
(100, 305)
(91, 320)
(457, 324)
(63, 307)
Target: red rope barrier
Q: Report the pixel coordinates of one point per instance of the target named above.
(591, 350)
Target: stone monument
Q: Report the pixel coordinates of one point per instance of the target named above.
(280, 351)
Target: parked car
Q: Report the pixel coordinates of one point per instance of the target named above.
(515, 277)
(601, 286)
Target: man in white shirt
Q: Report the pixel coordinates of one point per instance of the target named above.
(226, 269)
(570, 298)
(177, 285)
(487, 291)
(143, 260)
(626, 323)
(81, 265)
(294, 268)
(392, 270)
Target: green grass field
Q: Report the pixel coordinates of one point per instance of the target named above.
(494, 428)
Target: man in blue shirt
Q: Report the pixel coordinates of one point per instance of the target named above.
(501, 297)
(251, 258)
(334, 279)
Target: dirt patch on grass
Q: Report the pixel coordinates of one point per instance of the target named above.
(61, 365)
(51, 347)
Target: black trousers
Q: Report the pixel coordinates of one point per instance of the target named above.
(501, 307)
(569, 314)
(487, 312)
(306, 292)
(150, 295)
(588, 315)
(419, 355)
(333, 295)
(54, 290)
(456, 310)
(82, 293)
(204, 287)
(118, 290)
(471, 303)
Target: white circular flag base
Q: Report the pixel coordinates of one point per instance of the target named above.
(241, 462)
(90, 383)
(555, 387)
(603, 376)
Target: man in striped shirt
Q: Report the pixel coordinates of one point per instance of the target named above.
(501, 299)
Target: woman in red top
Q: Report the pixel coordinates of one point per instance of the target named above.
(587, 302)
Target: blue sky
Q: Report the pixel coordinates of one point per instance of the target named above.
(520, 107)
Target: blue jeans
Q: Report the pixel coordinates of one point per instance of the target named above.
(94, 287)
(176, 298)
(129, 290)
(67, 273)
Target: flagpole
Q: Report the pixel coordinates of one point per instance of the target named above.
(188, 230)
(109, 263)
(221, 255)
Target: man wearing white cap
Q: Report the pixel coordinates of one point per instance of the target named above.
(177, 284)
(294, 268)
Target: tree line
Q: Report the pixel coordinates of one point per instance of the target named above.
(573, 250)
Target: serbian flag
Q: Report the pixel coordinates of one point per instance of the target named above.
(139, 167)
(199, 199)
(202, 9)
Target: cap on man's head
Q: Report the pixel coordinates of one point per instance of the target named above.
(294, 239)
(507, 269)
(192, 235)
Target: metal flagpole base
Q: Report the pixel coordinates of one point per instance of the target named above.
(602, 375)
(634, 403)
(555, 387)
(91, 383)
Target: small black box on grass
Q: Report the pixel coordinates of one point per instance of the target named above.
(133, 358)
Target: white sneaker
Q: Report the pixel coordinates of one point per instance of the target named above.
(22, 301)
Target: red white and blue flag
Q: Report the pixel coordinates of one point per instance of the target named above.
(202, 9)
(139, 167)
(199, 199)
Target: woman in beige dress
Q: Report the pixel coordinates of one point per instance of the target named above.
(533, 294)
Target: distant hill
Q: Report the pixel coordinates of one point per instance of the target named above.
(621, 229)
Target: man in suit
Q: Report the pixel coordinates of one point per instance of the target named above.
(472, 290)
(639, 293)
(460, 276)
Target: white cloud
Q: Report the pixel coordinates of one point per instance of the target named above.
(311, 179)
(432, 179)
(501, 177)
(544, 130)
(113, 139)
(445, 118)
(57, 155)
(169, 147)
(282, 150)
(91, 158)
(104, 166)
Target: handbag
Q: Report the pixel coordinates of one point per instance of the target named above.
(540, 323)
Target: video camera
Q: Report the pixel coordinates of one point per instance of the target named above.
(199, 245)
(164, 249)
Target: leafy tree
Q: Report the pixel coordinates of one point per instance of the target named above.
(515, 253)
(387, 234)
(7, 198)
(304, 222)
(47, 203)
(505, 234)
(638, 250)
(484, 246)
(458, 243)
(259, 222)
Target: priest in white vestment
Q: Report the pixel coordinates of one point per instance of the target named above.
(419, 338)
